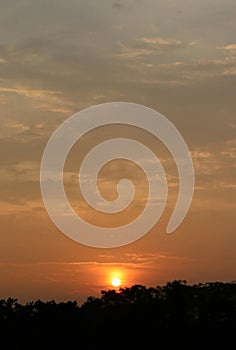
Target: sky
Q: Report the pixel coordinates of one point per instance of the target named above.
(59, 57)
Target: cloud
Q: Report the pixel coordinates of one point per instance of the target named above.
(21, 209)
(29, 92)
(129, 52)
(10, 128)
(228, 186)
(158, 42)
(230, 72)
(44, 99)
(198, 69)
(20, 127)
(198, 155)
(26, 172)
(215, 169)
(231, 47)
(229, 150)
(146, 68)
(128, 260)
(146, 46)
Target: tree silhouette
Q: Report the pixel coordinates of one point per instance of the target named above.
(175, 315)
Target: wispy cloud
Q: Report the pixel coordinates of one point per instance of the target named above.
(158, 42)
(19, 209)
(146, 46)
(230, 47)
(129, 260)
(200, 68)
(44, 99)
(11, 128)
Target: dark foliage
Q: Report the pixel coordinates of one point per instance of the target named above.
(176, 316)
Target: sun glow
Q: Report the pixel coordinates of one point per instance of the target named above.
(116, 282)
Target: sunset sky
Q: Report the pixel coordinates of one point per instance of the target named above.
(59, 57)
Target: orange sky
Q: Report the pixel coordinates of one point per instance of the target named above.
(58, 58)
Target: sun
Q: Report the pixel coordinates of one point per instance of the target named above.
(116, 282)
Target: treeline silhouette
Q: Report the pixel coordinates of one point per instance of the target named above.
(177, 315)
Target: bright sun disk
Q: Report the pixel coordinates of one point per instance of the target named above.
(116, 282)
